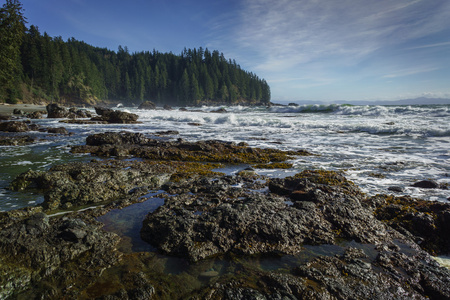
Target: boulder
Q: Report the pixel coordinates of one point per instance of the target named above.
(56, 111)
(17, 111)
(426, 184)
(147, 105)
(14, 126)
(35, 115)
(167, 107)
(58, 130)
(115, 116)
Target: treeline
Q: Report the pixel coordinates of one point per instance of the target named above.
(73, 71)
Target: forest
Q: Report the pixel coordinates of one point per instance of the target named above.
(36, 66)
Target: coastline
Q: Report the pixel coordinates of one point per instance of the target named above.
(7, 109)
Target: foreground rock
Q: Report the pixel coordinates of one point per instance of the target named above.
(426, 222)
(35, 251)
(78, 184)
(221, 216)
(207, 218)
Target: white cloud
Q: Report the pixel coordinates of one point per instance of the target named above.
(286, 33)
(411, 71)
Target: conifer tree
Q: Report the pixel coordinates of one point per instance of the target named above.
(12, 30)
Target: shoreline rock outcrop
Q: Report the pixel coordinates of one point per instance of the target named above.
(329, 239)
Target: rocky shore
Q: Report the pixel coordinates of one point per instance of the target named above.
(215, 225)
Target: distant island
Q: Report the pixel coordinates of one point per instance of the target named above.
(37, 68)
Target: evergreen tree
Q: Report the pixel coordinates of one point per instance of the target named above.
(12, 29)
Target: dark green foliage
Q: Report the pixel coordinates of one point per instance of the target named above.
(77, 72)
(12, 28)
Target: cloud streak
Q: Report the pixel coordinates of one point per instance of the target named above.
(287, 32)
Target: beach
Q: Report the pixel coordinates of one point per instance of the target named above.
(8, 109)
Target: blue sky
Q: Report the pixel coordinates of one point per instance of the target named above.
(319, 50)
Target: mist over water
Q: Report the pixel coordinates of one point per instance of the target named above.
(375, 146)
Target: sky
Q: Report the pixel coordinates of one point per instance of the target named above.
(316, 50)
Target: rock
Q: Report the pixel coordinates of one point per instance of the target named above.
(121, 117)
(427, 222)
(194, 124)
(4, 117)
(103, 111)
(16, 140)
(220, 110)
(426, 184)
(246, 222)
(78, 184)
(61, 250)
(56, 111)
(115, 116)
(137, 145)
(35, 115)
(58, 130)
(183, 109)
(168, 132)
(167, 107)
(14, 126)
(17, 111)
(147, 105)
(397, 189)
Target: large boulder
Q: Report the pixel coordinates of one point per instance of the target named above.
(115, 116)
(56, 111)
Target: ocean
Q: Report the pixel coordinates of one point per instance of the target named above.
(376, 147)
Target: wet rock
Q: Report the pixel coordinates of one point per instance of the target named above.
(168, 132)
(56, 111)
(36, 115)
(78, 184)
(43, 249)
(17, 111)
(147, 105)
(4, 117)
(427, 222)
(137, 145)
(426, 184)
(167, 107)
(16, 140)
(241, 221)
(103, 111)
(115, 116)
(14, 126)
(220, 110)
(397, 189)
(58, 130)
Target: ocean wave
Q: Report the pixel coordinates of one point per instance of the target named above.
(366, 110)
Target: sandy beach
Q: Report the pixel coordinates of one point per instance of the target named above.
(7, 109)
